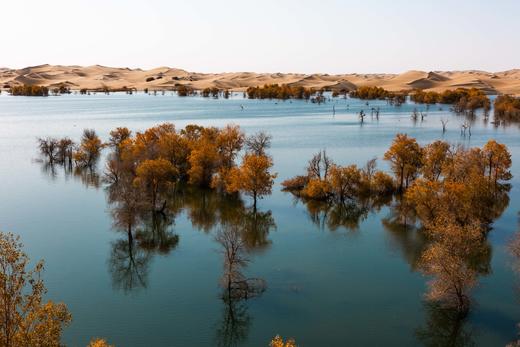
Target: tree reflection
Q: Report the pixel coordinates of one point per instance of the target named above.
(128, 264)
(234, 327)
(146, 232)
(208, 209)
(88, 175)
(444, 327)
(404, 233)
(346, 214)
(514, 249)
(236, 287)
(256, 228)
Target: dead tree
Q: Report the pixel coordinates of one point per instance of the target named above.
(444, 123)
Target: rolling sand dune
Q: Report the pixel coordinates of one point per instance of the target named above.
(97, 77)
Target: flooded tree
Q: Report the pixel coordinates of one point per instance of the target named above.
(452, 278)
(405, 157)
(507, 108)
(497, 161)
(253, 177)
(48, 148)
(327, 181)
(258, 143)
(65, 151)
(25, 318)
(435, 156)
(89, 149)
(117, 136)
(153, 177)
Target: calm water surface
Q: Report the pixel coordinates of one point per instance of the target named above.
(329, 283)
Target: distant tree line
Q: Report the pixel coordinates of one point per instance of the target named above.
(27, 90)
(462, 99)
(282, 92)
(507, 108)
(373, 93)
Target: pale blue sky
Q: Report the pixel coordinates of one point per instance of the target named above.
(264, 36)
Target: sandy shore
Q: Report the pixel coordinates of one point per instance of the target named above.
(94, 77)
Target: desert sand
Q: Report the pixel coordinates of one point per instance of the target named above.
(165, 78)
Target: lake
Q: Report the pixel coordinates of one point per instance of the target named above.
(329, 282)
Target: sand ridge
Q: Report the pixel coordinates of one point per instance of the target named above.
(161, 78)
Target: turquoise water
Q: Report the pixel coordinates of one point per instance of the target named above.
(327, 284)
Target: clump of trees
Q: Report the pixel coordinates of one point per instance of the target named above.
(276, 91)
(507, 108)
(439, 180)
(207, 92)
(253, 176)
(57, 150)
(327, 181)
(183, 90)
(61, 89)
(89, 149)
(25, 318)
(462, 99)
(65, 151)
(29, 90)
(455, 193)
(372, 93)
(159, 158)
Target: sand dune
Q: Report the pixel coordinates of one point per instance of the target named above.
(97, 76)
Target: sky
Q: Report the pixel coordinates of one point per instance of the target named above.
(325, 36)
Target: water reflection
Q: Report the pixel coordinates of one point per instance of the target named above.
(128, 265)
(514, 249)
(400, 224)
(88, 176)
(236, 287)
(346, 214)
(148, 232)
(234, 326)
(444, 327)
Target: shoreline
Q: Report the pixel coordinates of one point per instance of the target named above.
(99, 78)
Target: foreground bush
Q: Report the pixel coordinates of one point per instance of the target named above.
(25, 319)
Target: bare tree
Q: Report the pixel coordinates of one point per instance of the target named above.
(236, 285)
(444, 123)
(258, 143)
(319, 165)
(362, 116)
(48, 148)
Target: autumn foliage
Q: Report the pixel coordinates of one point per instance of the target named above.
(276, 91)
(462, 99)
(25, 318)
(29, 90)
(327, 181)
(507, 108)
